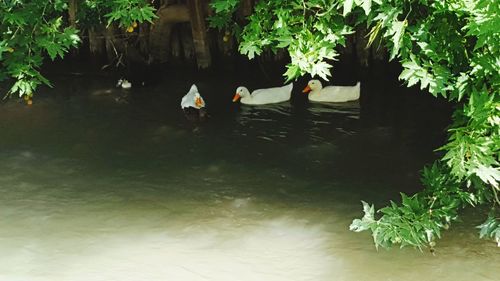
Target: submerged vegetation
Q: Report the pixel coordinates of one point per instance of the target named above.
(448, 48)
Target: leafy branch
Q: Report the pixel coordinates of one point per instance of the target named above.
(450, 48)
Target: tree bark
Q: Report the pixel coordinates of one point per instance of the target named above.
(97, 44)
(247, 7)
(72, 10)
(187, 42)
(160, 34)
(197, 12)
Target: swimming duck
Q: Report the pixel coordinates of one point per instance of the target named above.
(124, 83)
(263, 96)
(193, 104)
(331, 93)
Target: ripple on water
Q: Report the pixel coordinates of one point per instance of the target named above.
(92, 190)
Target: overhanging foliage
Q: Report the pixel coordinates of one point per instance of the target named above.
(449, 48)
(30, 30)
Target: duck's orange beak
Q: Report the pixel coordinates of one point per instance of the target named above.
(307, 89)
(198, 102)
(236, 97)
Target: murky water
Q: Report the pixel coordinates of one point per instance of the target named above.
(101, 184)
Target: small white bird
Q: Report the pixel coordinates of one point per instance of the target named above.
(124, 83)
(263, 96)
(331, 93)
(192, 99)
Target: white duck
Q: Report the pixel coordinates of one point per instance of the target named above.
(331, 93)
(263, 96)
(193, 105)
(124, 83)
(192, 99)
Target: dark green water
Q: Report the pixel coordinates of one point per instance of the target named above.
(98, 183)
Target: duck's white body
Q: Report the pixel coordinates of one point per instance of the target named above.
(192, 99)
(124, 83)
(332, 93)
(264, 96)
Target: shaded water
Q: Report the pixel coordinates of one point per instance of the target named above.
(94, 188)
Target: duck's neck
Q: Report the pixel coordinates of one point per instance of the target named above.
(316, 92)
(246, 95)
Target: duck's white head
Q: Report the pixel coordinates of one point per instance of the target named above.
(119, 82)
(240, 93)
(198, 101)
(193, 89)
(313, 85)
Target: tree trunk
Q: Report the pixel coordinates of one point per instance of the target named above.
(72, 10)
(175, 44)
(187, 42)
(97, 44)
(246, 7)
(197, 11)
(114, 46)
(161, 31)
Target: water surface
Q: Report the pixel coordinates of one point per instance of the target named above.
(98, 183)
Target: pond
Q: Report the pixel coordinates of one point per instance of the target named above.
(100, 183)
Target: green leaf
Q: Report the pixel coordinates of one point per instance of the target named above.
(488, 175)
(397, 31)
(367, 6)
(322, 69)
(406, 74)
(292, 72)
(250, 49)
(368, 209)
(347, 7)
